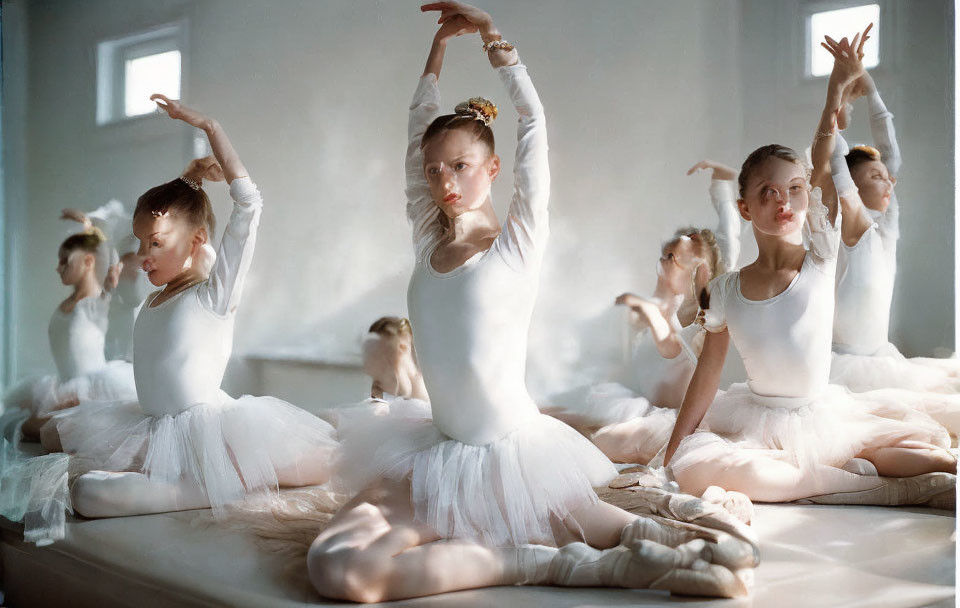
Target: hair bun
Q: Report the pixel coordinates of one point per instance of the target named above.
(478, 108)
(870, 151)
(95, 232)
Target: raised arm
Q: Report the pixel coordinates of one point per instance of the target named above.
(885, 140)
(223, 150)
(847, 68)
(723, 196)
(221, 293)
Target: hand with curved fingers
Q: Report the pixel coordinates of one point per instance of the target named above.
(450, 10)
(204, 169)
(75, 215)
(178, 111)
(720, 171)
(847, 57)
(458, 25)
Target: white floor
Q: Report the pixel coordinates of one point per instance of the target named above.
(812, 556)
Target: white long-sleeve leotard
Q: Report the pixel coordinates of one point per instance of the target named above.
(471, 324)
(866, 271)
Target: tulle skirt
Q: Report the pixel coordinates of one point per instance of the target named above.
(888, 368)
(827, 430)
(504, 493)
(40, 396)
(231, 448)
(625, 426)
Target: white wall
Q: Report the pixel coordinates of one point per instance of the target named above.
(314, 95)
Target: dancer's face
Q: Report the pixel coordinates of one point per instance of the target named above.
(73, 265)
(168, 245)
(776, 197)
(460, 170)
(874, 183)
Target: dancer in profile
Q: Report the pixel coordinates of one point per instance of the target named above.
(485, 490)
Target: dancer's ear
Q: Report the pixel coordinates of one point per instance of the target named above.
(493, 167)
(744, 211)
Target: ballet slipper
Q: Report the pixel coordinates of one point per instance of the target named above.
(721, 548)
(735, 503)
(936, 490)
(645, 565)
(860, 466)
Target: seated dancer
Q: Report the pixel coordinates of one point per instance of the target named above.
(185, 444)
(863, 357)
(484, 490)
(786, 433)
(77, 333)
(391, 361)
(631, 420)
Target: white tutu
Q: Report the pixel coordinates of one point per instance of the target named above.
(888, 368)
(231, 448)
(42, 395)
(504, 493)
(625, 426)
(829, 430)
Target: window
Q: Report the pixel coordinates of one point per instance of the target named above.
(837, 24)
(132, 68)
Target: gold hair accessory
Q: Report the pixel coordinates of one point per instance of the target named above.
(870, 150)
(194, 185)
(478, 108)
(501, 44)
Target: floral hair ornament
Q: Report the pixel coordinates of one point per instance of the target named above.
(477, 108)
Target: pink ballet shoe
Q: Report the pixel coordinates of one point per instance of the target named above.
(735, 503)
(935, 490)
(721, 548)
(645, 565)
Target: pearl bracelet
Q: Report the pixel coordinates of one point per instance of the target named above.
(501, 44)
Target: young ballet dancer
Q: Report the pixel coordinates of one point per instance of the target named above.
(863, 358)
(785, 433)
(455, 501)
(77, 333)
(184, 443)
(631, 420)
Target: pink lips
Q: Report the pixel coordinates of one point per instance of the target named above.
(784, 216)
(451, 198)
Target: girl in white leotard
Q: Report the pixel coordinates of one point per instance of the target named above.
(785, 433)
(863, 357)
(184, 443)
(77, 332)
(452, 500)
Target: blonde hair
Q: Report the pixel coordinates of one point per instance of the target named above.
(391, 326)
(717, 264)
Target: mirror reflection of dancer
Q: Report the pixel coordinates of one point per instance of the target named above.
(631, 420)
(76, 331)
(185, 444)
(455, 501)
(863, 357)
(785, 433)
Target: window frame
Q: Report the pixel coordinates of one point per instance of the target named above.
(112, 55)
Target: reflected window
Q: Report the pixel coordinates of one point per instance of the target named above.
(132, 68)
(837, 24)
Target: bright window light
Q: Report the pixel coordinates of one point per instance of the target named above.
(144, 76)
(837, 24)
